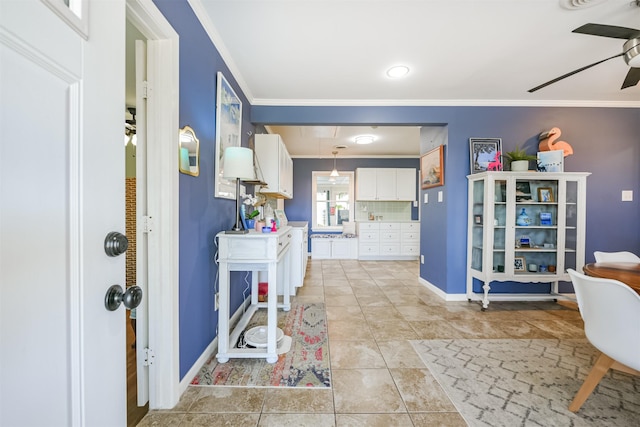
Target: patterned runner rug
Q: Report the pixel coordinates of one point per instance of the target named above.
(306, 364)
(528, 382)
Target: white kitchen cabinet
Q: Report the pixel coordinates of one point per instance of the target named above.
(334, 247)
(386, 184)
(524, 227)
(275, 164)
(388, 240)
(299, 251)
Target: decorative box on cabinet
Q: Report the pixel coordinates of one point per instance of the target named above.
(386, 184)
(275, 164)
(503, 245)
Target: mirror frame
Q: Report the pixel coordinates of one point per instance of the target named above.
(190, 136)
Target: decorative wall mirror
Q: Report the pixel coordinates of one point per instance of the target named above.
(189, 152)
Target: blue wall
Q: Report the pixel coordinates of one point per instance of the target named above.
(202, 215)
(605, 142)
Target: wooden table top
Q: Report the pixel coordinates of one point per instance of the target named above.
(626, 272)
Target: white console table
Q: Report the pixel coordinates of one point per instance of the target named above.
(254, 251)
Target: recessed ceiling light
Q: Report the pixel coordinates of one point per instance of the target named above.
(364, 139)
(398, 71)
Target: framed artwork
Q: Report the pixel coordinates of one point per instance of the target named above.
(550, 161)
(545, 194)
(228, 132)
(432, 168)
(485, 154)
(519, 264)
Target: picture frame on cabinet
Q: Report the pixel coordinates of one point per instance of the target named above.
(228, 134)
(432, 168)
(485, 154)
(545, 195)
(519, 264)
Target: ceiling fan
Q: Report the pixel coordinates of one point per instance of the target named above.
(630, 52)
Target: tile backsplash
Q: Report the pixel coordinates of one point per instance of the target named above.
(389, 211)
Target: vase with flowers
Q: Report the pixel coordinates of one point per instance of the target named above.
(250, 211)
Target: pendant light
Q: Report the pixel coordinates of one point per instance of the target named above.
(334, 172)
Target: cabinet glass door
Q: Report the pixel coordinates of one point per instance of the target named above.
(536, 227)
(571, 226)
(477, 229)
(499, 225)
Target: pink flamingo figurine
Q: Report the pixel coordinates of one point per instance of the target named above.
(548, 142)
(496, 164)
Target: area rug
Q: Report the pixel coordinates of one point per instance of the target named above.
(306, 364)
(528, 382)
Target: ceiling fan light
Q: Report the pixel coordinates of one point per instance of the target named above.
(398, 71)
(631, 49)
(364, 139)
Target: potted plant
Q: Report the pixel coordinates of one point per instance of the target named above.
(519, 159)
(251, 211)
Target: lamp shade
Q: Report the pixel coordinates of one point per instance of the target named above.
(238, 163)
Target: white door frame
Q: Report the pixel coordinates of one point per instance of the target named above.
(163, 200)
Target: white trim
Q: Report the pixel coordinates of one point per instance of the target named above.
(439, 292)
(361, 156)
(214, 36)
(441, 103)
(76, 15)
(163, 42)
(210, 350)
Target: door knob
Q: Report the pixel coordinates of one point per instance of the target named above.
(131, 298)
(115, 243)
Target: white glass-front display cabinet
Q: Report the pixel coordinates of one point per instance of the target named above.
(524, 227)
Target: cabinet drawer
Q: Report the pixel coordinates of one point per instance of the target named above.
(389, 236)
(410, 237)
(368, 226)
(410, 226)
(389, 226)
(365, 249)
(386, 249)
(369, 236)
(410, 250)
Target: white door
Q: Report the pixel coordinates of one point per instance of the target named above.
(62, 358)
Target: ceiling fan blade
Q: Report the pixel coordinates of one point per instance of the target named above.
(557, 79)
(632, 79)
(608, 31)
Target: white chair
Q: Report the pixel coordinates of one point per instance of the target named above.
(623, 256)
(611, 314)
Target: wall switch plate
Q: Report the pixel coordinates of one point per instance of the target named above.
(440, 195)
(627, 195)
(426, 197)
(421, 259)
(415, 203)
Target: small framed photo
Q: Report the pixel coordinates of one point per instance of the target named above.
(519, 264)
(477, 219)
(486, 154)
(545, 194)
(432, 168)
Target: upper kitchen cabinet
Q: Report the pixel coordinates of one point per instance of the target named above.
(276, 166)
(389, 184)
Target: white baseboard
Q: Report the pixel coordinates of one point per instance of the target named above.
(209, 351)
(436, 290)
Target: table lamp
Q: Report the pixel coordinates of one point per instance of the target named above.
(238, 164)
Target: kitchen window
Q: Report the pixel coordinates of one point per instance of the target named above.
(332, 201)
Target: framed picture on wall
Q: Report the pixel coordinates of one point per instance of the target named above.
(485, 154)
(432, 168)
(228, 134)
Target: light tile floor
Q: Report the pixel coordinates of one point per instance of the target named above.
(373, 309)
